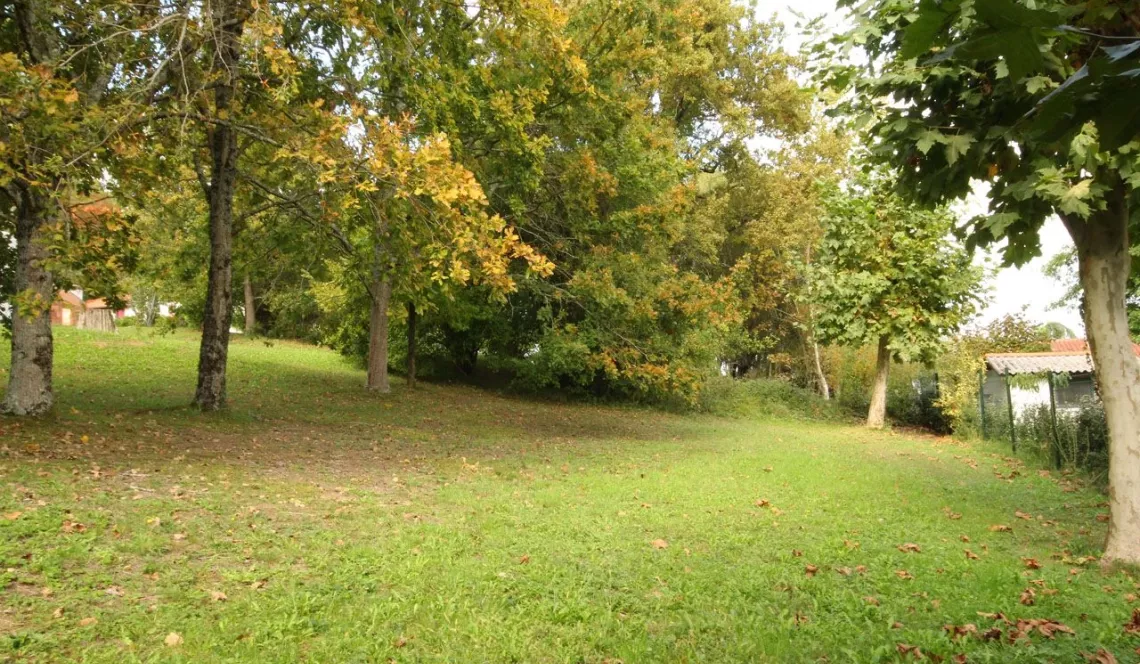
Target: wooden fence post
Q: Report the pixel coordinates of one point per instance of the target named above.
(1012, 423)
(1053, 420)
(982, 400)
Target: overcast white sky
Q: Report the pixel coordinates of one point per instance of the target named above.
(1026, 290)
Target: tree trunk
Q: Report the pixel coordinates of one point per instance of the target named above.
(877, 413)
(378, 336)
(29, 377)
(250, 310)
(1103, 254)
(229, 21)
(412, 345)
(151, 311)
(824, 388)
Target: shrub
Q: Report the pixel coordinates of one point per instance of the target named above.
(1081, 435)
(765, 397)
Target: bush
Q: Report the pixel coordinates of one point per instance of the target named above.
(1081, 435)
(764, 397)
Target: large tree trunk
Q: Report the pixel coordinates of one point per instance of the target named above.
(29, 378)
(378, 336)
(1103, 253)
(229, 21)
(877, 413)
(250, 307)
(412, 345)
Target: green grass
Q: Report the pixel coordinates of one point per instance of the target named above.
(457, 525)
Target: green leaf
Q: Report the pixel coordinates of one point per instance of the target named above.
(919, 35)
(1010, 14)
(956, 146)
(927, 139)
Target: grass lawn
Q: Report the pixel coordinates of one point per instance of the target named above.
(315, 522)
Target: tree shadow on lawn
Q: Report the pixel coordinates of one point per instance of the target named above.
(283, 416)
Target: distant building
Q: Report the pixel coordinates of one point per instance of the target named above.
(1067, 357)
(66, 309)
(71, 310)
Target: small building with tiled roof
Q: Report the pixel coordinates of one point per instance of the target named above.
(1067, 357)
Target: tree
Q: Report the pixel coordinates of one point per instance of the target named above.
(69, 81)
(888, 274)
(1039, 102)
(417, 219)
(246, 92)
(766, 217)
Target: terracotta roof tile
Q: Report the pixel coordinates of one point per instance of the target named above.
(1078, 346)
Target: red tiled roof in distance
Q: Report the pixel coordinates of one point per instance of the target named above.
(1079, 346)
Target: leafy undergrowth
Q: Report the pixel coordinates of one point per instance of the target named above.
(315, 522)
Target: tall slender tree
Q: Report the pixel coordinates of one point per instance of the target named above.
(888, 275)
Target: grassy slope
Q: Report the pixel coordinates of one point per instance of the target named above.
(456, 525)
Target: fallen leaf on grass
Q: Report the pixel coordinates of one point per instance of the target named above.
(1022, 515)
(58, 613)
(12, 516)
(763, 502)
(86, 622)
(767, 469)
(400, 642)
(1001, 528)
(796, 553)
(956, 632)
(970, 555)
(218, 596)
(903, 574)
(524, 559)
(70, 526)
(1031, 563)
(992, 634)
(958, 659)
(845, 571)
(1101, 656)
(909, 547)
(1133, 625)
(1046, 627)
(1102, 517)
(913, 651)
(810, 570)
(115, 591)
(1028, 597)
(173, 639)
(659, 544)
(964, 538)
(953, 516)
(873, 601)
(896, 625)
